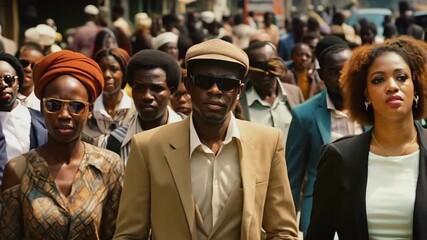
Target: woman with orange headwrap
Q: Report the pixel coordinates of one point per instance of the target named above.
(113, 108)
(65, 189)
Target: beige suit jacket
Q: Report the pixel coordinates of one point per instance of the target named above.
(157, 195)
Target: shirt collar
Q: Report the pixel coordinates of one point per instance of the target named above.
(135, 126)
(99, 108)
(252, 96)
(232, 132)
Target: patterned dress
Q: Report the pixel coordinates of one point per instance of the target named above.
(36, 209)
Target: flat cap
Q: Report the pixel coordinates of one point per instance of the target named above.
(217, 49)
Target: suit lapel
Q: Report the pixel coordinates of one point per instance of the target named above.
(179, 164)
(420, 211)
(247, 153)
(356, 184)
(323, 119)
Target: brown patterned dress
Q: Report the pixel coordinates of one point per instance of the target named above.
(36, 209)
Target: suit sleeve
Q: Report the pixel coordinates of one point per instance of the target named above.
(322, 222)
(297, 154)
(279, 220)
(133, 221)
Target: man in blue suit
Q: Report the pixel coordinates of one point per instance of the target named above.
(318, 121)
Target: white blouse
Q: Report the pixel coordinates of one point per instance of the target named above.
(390, 195)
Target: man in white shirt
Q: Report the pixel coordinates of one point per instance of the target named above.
(23, 128)
(210, 176)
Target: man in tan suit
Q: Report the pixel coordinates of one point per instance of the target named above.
(209, 176)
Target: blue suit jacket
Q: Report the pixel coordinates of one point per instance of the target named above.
(310, 128)
(38, 137)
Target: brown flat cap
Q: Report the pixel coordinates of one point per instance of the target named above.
(217, 49)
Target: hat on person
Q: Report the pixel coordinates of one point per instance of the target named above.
(47, 34)
(163, 38)
(142, 20)
(207, 16)
(91, 10)
(217, 49)
(71, 63)
(32, 35)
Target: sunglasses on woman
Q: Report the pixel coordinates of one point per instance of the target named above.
(54, 105)
(224, 84)
(26, 63)
(9, 79)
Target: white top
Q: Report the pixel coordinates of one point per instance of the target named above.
(390, 195)
(16, 129)
(213, 177)
(31, 101)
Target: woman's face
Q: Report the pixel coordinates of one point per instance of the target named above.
(390, 87)
(113, 75)
(65, 121)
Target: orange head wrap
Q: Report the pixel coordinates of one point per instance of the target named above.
(71, 63)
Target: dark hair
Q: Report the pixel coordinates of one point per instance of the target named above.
(121, 56)
(14, 62)
(355, 73)
(150, 59)
(298, 45)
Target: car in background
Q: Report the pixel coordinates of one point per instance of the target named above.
(375, 15)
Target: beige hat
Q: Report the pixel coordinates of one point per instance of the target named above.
(32, 35)
(142, 20)
(207, 16)
(217, 49)
(164, 38)
(47, 34)
(91, 10)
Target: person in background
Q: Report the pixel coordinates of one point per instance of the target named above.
(119, 21)
(298, 30)
(266, 100)
(320, 120)
(23, 128)
(373, 185)
(141, 38)
(113, 108)
(302, 73)
(84, 37)
(105, 38)
(29, 54)
(181, 100)
(209, 176)
(154, 77)
(270, 27)
(9, 45)
(65, 188)
(167, 42)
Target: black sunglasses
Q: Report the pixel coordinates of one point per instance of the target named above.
(26, 63)
(9, 79)
(54, 105)
(224, 84)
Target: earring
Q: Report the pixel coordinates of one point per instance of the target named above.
(416, 98)
(367, 103)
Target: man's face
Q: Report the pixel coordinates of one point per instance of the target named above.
(259, 57)
(211, 105)
(302, 57)
(8, 92)
(330, 70)
(150, 93)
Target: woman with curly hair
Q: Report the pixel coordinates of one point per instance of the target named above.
(374, 185)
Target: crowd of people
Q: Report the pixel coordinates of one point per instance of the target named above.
(187, 127)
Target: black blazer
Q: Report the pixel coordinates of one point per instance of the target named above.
(340, 190)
